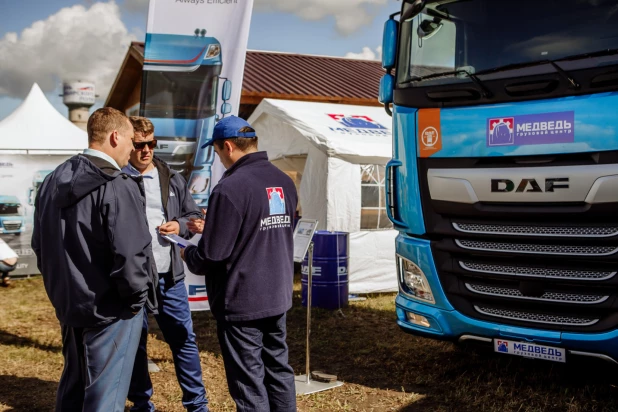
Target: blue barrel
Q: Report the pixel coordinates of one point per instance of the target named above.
(330, 271)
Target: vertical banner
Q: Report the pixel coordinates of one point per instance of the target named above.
(21, 177)
(194, 60)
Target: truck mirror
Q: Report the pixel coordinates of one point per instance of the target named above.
(389, 43)
(416, 7)
(386, 89)
(428, 28)
(226, 93)
(226, 108)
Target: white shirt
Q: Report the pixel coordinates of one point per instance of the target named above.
(5, 251)
(161, 248)
(101, 155)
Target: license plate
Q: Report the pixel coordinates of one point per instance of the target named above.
(530, 350)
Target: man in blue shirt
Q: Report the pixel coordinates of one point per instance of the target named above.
(246, 254)
(169, 206)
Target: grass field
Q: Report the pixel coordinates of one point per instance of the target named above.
(383, 368)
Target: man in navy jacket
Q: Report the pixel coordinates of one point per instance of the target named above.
(246, 255)
(93, 248)
(169, 206)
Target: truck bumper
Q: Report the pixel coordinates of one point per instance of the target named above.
(442, 321)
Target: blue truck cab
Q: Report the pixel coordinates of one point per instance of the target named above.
(12, 219)
(180, 93)
(504, 178)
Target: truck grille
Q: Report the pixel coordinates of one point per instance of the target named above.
(532, 248)
(529, 230)
(539, 265)
(536, 317)
(547, 296)
(512, 270)
(12, 225)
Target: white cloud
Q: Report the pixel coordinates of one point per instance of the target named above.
(366, 54)
(74, 43)
(136, 6)
(350, 15)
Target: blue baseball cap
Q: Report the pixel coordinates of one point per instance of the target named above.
(229, 128)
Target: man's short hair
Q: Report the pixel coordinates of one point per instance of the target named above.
(243, 143)
(142, 126)
(104, 121)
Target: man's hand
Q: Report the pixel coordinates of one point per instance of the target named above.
(169, 228)
(196, 225)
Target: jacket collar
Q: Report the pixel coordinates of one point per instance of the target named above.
(165, 175)
(247, 160)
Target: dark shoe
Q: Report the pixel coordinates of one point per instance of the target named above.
(6, 281)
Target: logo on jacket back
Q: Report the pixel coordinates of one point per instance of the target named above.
(276, 204)
(276, 200)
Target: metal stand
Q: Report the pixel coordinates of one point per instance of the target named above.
(304, 384)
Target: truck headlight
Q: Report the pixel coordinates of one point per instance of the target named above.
(213, 51)
(413, 280)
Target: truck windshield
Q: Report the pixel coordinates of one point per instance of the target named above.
(480, 35)
(181, 95)
(10, 209)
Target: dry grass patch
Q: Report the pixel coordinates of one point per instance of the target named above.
(383, 368)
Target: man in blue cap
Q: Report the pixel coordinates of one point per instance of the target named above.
(246, 255)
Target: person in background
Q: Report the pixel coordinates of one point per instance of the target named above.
(92, 246)
(246, 255)
(169, 206)
(8, 262)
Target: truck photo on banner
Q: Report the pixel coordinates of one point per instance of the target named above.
(21, 177)
(194, 59)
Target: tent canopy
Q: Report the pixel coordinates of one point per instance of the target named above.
(36, 127)
(336, 155)
(356, 134)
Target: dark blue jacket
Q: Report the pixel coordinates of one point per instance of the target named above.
(246, 251)
(178, 205)
(92, 243)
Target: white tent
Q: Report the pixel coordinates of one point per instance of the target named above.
(34, 140)
(336, 154)
(37, 128)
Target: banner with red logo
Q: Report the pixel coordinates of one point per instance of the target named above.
(194, 60)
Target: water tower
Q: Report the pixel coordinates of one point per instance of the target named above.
(79, 97)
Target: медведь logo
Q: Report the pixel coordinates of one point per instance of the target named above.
(276, 200)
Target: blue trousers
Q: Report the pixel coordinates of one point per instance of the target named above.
(255, 356)
(97, 366)
(174, 320)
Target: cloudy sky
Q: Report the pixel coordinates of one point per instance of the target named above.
(45, 41)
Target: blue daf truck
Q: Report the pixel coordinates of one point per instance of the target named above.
(180, 95)
(504, 179)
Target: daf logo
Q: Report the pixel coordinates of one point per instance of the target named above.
(529, 185)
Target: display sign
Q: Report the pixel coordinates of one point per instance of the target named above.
(303, 234)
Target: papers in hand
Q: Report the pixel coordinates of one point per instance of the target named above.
(177, 240)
